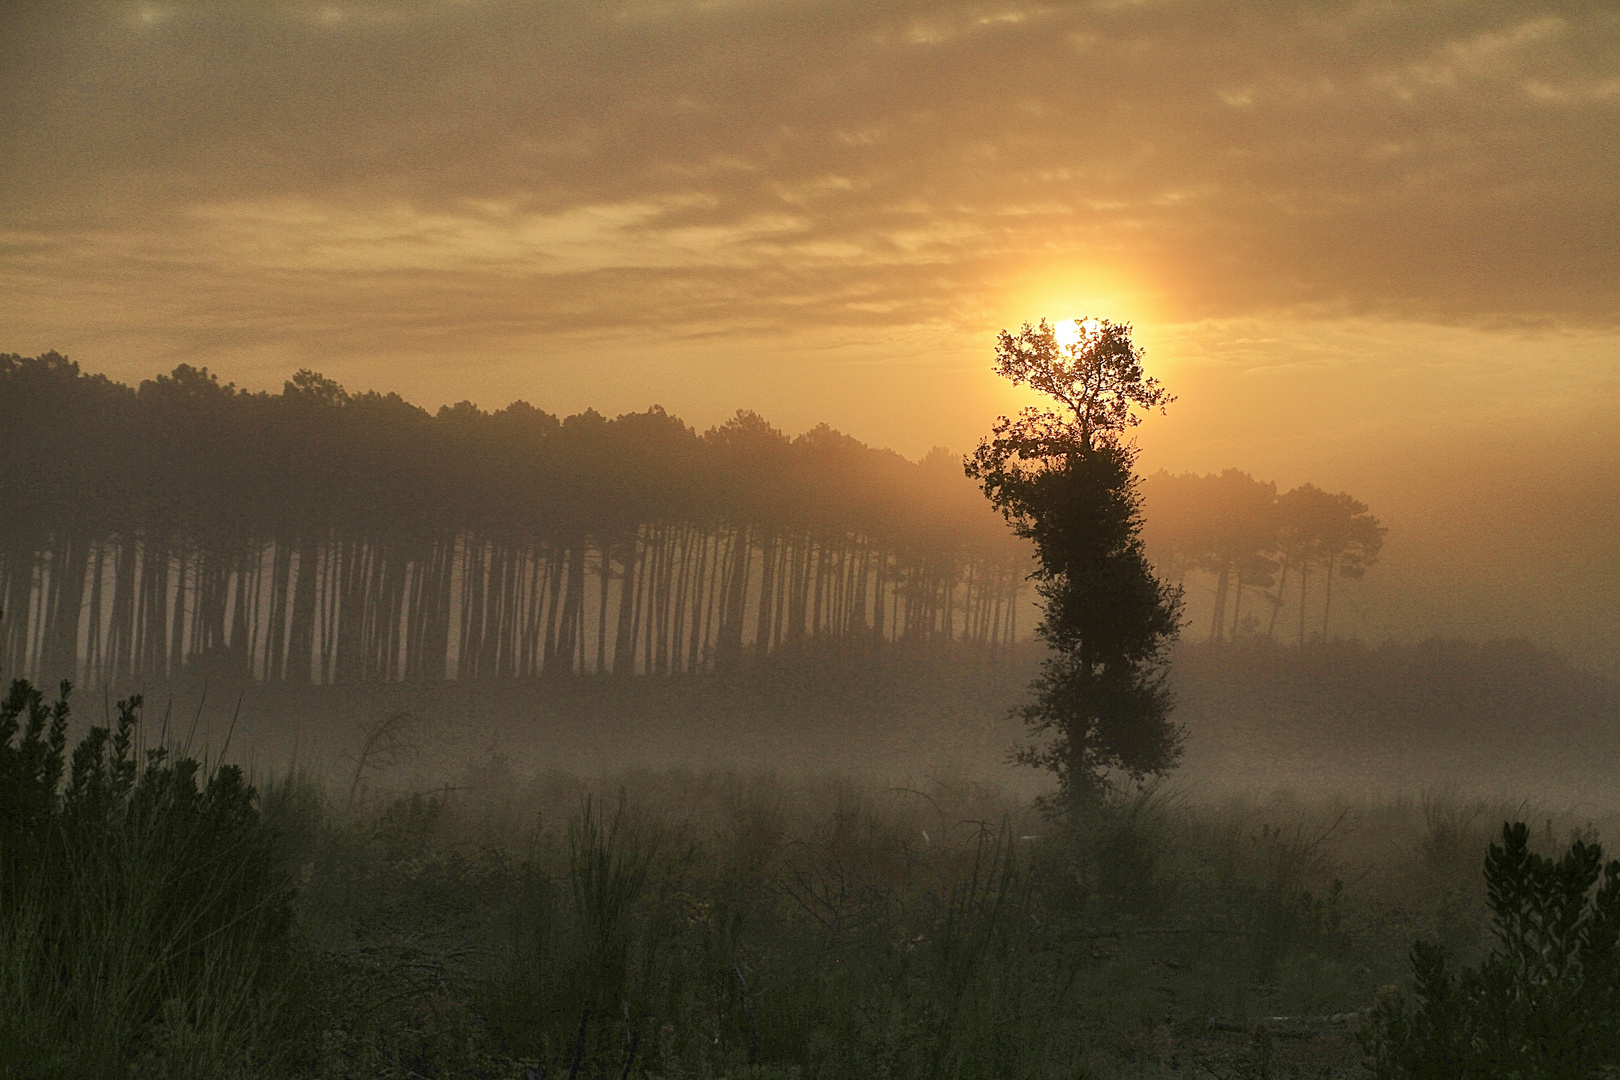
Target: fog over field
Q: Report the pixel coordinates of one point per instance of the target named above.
(582, 593)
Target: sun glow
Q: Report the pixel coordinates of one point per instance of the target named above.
(1070, 332)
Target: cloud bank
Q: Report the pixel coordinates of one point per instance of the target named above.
(257, 171)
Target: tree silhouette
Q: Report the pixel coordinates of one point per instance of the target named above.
(1240, 531)
(1348, 540)
(321, 536)
(1063, 479)
(1334, 532)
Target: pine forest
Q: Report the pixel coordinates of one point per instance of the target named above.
(315, 536)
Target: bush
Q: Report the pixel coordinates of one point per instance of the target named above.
(146, 920)
(1544, 1005)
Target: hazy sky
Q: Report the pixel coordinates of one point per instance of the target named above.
(1375, 245)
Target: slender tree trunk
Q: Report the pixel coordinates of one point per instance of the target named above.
(809, 563)
(738, 568)
(1237, 604)
(862, 582)
(624, 644)
(92, 667)
(821, 573)
(280, 601)
(657, 607)
(1077, 735)
(472, 607)
(531, 657)
(573, 607)
(554, 605)
(1012, 616)
(1218, 622)
(605, 577)
(767, 582)
(1277, 601)
(1304, 583)
(787, 603)
(423, 589)
(880, 595)
(184, 559)
(249, 585)
(11, 560)
(1327, 602)
(71, 587)
(348, 600)
(700, 575)
(668, 613)
(301, 639)
(715, 581)
(643, 605)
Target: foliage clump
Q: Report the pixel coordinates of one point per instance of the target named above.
(145, 917)
(1544, 1005)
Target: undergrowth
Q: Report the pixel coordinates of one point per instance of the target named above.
(147, 926)
(165, 919)
(1543, 1005)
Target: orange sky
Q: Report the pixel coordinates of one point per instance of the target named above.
(1370, 244)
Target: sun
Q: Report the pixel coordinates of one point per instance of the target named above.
(1070, 332)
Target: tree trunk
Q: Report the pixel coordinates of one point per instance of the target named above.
(1327, 603)
(604, 550)
(573, 607)
(554, 598)
(301, 639)
(767, 583)
(70, 583)
(624, 661)
(276, 638)
(1237, 605)
(1304, 584)
(1218, 621)
(1277, 601)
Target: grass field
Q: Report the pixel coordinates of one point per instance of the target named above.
(682, 924)
(517, 922)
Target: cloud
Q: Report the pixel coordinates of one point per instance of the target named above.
(818, 163)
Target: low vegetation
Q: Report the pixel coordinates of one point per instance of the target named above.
(148, 925)
(162, 918)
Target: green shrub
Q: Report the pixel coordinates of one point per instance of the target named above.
(1544, 1005)
(146, 921)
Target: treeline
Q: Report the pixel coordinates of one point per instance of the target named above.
(314, 535)
(1252, 539)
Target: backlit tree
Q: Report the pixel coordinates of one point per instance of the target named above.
(1063, 478)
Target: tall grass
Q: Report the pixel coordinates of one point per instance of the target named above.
(583, 959)
(718, 925)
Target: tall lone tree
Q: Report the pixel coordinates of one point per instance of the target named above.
(1063, 478)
